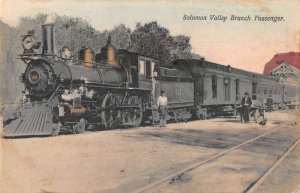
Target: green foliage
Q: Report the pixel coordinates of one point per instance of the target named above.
(152, 40)
(121, 37)
(156, 41)
(77, 33)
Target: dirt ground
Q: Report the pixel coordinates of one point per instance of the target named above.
(128, 159)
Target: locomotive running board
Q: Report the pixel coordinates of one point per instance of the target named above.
(35, 121)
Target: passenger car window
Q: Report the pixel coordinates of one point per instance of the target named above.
(214, 86)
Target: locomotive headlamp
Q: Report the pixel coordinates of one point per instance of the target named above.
(28, 42)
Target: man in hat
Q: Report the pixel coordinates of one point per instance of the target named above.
(246, 106)
(269, 104)
(162, 103)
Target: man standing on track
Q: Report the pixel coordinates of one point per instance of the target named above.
(246, 106)
(162, 103)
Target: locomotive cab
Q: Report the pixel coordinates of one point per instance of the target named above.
(139, 67)
(146, 67)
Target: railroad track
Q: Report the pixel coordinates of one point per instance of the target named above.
(250, 189)
(254, 186)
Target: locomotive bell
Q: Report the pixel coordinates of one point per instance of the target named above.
(86, 55)
(109, 54)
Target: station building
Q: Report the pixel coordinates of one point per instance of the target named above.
(286, 66)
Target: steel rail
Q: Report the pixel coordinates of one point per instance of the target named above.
(191, 167)
(254, 186)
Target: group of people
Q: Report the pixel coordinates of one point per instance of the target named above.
(246, 106)
(162, 103)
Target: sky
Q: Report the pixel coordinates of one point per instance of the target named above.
(246, 45)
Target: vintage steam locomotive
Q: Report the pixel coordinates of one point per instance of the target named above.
(118, 88)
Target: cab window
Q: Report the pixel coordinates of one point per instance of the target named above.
(148, 68)
(152, 68)
(142, 67)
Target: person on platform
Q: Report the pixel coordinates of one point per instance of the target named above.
(269, 104)
(162, 103)
(246, 107)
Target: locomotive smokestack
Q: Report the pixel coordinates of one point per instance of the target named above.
(48, 39)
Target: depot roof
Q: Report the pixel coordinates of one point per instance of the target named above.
(292, 58)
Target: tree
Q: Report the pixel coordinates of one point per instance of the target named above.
(76, 33)
(156, 41)
(181, 47)
(120, 36)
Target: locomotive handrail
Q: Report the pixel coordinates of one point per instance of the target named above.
(71, 59)
(82, 61)
(116, 86)
(54, 92)
(105, 84)
(127, 75)
(170, 103)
